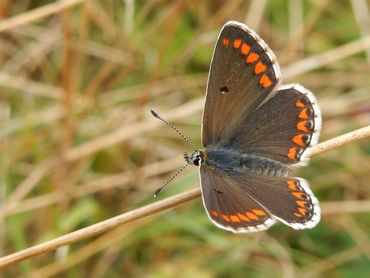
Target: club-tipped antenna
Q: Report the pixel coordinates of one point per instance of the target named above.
(174, 128)
(170, 180)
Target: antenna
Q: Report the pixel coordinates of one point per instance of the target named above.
(173, 128)
(170, 180)
(185, 139)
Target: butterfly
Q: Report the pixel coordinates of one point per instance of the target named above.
(254, 133)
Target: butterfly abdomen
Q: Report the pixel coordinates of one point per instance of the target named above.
(229, 160)
(264, 166)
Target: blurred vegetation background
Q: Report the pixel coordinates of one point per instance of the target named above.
(78, 144)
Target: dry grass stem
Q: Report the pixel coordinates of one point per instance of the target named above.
(341, 140)
(100, 227)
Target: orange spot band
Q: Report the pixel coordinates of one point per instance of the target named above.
(252, 57)
(303, 114)
(298, 139)
(299, 104)
(259, 212)
(225, 217)
(265, 81)
(260, 67)
(302, 126)
(245, 49)
(226, 42)
(234, 218)
(237, 43)
(298, 194)
(302, 211)
(292, 153)
(251, 215)
(301, 203)
(292, 185)
(242, 217)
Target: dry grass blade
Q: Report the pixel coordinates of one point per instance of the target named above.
(326, 58)
(30, 86)
(361, 13)
(154, 208)
(25, 187)
(97, 185)
(334, 261)
(346, 207)
(255, 13)
(36, 14)
(130, 131)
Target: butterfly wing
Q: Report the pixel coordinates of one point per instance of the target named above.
(229, 206)
(247, 202)
(283, 128)
(288, 199)
(243, 73)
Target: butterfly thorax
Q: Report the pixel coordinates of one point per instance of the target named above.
(230, 160)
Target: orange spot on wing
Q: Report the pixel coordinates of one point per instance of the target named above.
(302, 126)
(260, 67)
(298, 215)
(302, 211)
(299, 103)
(245, 49)
(259, 212)
(292, 185)
(234, 218)
(214, 213)
(292, 153)
(251, 215)
(226, 42)
(242, 217)
(298, 140)
(303, 114)
(237, 43)
(265, 81)
(252, 57)
(298, 194)
(301, 203)
(225, 217)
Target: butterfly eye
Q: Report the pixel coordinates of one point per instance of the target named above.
(198, 161)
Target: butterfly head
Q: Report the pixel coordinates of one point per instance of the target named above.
(196, 158)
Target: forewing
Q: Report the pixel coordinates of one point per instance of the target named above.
(243, 73)
(283, 128)
(229, 206)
